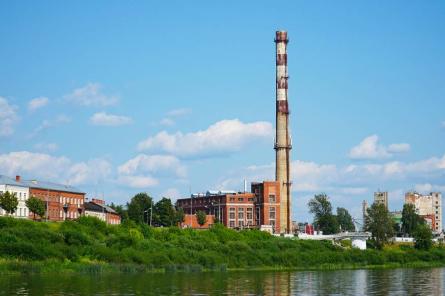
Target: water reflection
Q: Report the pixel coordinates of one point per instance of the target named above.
(347, 282)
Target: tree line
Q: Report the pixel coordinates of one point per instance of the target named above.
(378, 222)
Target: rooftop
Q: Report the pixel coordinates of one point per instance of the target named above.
(39, 184)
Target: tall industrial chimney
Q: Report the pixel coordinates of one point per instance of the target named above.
(283, 143)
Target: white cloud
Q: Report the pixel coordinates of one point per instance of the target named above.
(47, 167)
(8, 117)
(37, 103)
(159, 164)
(167, 122)
(50, 147)
(179, 112)
(443, 124)
(138, 181)
(370, 148)
(220, 138)
(427, 188)
(46, 124)
(91, 95)
(104, 119)
(172, 115)
(171, 193)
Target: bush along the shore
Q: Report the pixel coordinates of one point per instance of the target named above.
(89, 245)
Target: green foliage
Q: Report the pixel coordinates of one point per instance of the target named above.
(379, 222)
(89, 245)
(9, 202)
(139, 208)
(423, 237)
(201, 217)
(36, 206)
(324, 220)
(164, 213)
(410, 219)
(345, 220)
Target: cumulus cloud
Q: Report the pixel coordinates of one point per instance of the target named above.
(370, 148)
(138, 181)
(37, 103)
(47, 167)
(8, 117)
(159, 164)
(220, 138)
(427, 188)
(91, 95)
(104, 119)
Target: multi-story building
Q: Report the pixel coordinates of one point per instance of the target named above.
(239, 209)
(97, 208)
(427, 206)
(62, 201)
(20, 190)
(381, 198)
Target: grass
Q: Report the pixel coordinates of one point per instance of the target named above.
(90, 246)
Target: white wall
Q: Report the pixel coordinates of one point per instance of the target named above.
(22, 194)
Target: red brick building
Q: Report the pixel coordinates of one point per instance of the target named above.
(63, 201)
(239, 209)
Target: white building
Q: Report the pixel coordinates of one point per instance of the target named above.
(427, 206)
(21, 191)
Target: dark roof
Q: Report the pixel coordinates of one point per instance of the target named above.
(39, 184)
(94, 207)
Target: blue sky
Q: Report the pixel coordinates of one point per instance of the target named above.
(118, 98)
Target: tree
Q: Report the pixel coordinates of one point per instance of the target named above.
(36, 206)
(180, 215)
(345, 220)
(321, 207)
(378, 221)
(423, 237)
(164, 213)
(9, 202)
(201, 216)
(139, 208)
(410, 219)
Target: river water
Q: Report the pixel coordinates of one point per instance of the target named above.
(344, 282)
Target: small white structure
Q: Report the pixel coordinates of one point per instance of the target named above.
(358, 239)
(20, 190)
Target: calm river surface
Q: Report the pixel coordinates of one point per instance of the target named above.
(345, 282)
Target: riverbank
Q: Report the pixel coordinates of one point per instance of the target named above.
(91, 246)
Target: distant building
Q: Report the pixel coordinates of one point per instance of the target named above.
(381, 198)
(97, 208)
(21, 191)
(427, 206)
(63, 202)
(364, 212)
(239, 209)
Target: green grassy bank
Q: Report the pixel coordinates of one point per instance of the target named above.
(90, 246)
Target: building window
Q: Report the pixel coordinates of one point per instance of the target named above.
(232, 213)
(232, 224)
(250, 199)
(257, 215)
(232, 199)
(272, 213)
(240, 213)
(240, 199)
(272, 198)
(249, 213)
(240, 223)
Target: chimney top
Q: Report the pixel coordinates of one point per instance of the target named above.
(17, 178)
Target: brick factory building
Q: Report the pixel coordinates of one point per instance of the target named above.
(260, 207)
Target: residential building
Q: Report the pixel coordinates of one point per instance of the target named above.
(427, 206)
(381, 198)
(63, 202)
(239, 209)
(21, 191)
(97, 208)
